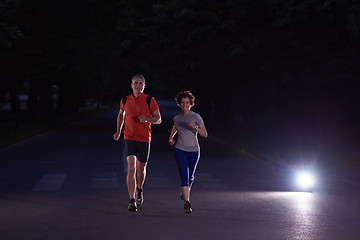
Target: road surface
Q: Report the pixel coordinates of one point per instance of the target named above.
(69, 183)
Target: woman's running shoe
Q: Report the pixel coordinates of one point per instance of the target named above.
(187, 207)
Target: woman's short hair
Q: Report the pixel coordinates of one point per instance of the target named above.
(185, 94)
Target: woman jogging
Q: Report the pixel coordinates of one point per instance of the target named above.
(187, 125)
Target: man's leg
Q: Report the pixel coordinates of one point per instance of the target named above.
(130, 178)
(143, 149)
(140, 173)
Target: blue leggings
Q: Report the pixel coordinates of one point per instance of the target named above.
(187, 162)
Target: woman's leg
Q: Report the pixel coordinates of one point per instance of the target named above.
(193, 162)
(185, 191)
(182, 163)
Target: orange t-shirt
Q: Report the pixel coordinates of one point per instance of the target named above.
(135, 107)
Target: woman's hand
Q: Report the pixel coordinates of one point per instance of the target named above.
(192, 125)
(171, 141)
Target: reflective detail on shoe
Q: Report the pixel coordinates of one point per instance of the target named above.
(139, 197)
(132, 205)
(187, 207)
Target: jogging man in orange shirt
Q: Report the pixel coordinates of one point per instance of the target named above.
(137, 112)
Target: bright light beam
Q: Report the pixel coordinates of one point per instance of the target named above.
(305, 180)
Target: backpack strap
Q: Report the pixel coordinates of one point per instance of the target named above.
(148, 100)
(124, 100)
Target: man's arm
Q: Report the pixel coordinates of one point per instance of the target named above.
(155, 119)
(119, 124)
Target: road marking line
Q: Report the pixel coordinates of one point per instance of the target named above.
(50, 182)
(105, 180)
(208, 181)
(5, 180)
(158, 180)
(257, 181)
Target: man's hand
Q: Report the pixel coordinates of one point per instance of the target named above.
(143, 119)
(117, 136)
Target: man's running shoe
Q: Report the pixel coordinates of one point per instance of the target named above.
(139, 197)
(187, 207)
(132, 206)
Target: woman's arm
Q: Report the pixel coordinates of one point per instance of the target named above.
(172, 134)
(202, 130)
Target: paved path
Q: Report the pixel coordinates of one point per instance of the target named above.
(69, 183)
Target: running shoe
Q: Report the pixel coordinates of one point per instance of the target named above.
(132, 205)
(187, 207)
(139, 197)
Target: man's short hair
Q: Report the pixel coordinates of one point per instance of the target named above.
(138, 76)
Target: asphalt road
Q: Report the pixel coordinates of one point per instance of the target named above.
(69, 183)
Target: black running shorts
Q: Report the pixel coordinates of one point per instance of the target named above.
(140, 149)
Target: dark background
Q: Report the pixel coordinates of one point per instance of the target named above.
(284, 71)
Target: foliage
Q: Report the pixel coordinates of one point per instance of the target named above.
(9, 33)
(255, 52)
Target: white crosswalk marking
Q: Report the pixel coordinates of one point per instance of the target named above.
(208, 181)
(50, 182)
(105, 180)
(253, 179)
(5, 180)
(109, 180)
(158, 180)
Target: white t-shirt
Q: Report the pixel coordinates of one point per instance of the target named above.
(187, 138)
